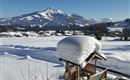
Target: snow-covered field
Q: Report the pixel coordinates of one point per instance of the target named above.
(28, 58)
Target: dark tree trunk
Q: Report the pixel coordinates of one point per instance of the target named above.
(125, 38)
(98, 37)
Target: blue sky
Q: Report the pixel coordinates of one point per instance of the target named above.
(117, 9)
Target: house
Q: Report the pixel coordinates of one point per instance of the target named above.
(80, 54)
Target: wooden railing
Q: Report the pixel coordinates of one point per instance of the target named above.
(99, 76)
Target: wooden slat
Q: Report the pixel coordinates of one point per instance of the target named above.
(90, 69)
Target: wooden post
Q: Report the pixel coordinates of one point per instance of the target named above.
(78, 72)
(95, 63)
(66, 74)
(66, 65)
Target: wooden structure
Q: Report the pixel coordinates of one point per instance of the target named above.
(89, 72)
(81, 54)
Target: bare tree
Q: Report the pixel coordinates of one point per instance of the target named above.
(126, 33)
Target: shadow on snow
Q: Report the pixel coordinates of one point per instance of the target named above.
(46, 54)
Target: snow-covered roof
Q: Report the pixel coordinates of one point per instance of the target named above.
(77, 49)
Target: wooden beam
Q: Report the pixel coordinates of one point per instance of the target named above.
(78, 72)
(95, 64)
(69, 62)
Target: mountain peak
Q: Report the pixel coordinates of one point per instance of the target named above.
(100, 20)
(53, 10)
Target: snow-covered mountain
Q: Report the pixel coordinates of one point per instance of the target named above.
(54, 17)
(122, 24)
(119, 26)
(48, 17)
(100, 20)
(79, 19)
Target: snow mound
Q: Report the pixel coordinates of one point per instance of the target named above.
(77, 49)
(28, 57)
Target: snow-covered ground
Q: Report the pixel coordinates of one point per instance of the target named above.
(24, 57)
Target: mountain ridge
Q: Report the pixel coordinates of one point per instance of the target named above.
(48, 17)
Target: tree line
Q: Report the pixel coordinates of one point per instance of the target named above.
(98, 30)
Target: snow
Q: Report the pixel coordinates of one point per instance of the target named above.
(28, 18)
(54, 10)
(107, 19)
(18, 52)
(11, 34)
(93, 20)
(116, 29)
(46, 15)
(121, 24)
(36, 16)
(118, 54)
(77, 49)
(43, 17)
(19, 68)
(19, 33)
(100, 20)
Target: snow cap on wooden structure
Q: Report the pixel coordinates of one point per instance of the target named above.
(77, 49)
